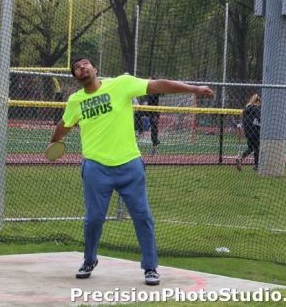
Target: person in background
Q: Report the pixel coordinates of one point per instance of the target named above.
(58, 97)
(138, 122)
(239, 132)
(153, 100)
(251, 126)
(103, 109)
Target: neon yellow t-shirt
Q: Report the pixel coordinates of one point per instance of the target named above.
(106, 120)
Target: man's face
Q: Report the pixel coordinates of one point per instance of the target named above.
(84, 71)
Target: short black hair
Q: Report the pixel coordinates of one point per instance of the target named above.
(79, 59)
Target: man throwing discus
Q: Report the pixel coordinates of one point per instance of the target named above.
(111, 158)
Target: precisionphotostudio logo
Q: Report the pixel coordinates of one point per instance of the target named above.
(117, 295)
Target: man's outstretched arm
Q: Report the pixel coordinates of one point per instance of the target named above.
(164, 86)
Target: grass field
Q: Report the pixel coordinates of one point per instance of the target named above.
(27, 140)
(196, 209)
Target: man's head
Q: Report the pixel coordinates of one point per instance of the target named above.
(84, 71)
(79, 59)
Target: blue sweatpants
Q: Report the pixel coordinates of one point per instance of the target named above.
(129, 181)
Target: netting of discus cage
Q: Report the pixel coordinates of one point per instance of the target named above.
(199, 200)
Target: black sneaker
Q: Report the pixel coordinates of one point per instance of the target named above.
(152, 278)
(86, 269)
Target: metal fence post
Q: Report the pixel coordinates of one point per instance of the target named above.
(5, 46)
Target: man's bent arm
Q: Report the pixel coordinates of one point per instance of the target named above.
(60, 131)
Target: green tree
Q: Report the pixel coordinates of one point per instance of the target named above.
(42, 27)
(245, 40)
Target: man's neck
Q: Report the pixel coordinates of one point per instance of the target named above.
(92, 87)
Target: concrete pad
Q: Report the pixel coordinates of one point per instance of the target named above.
(49, 280)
